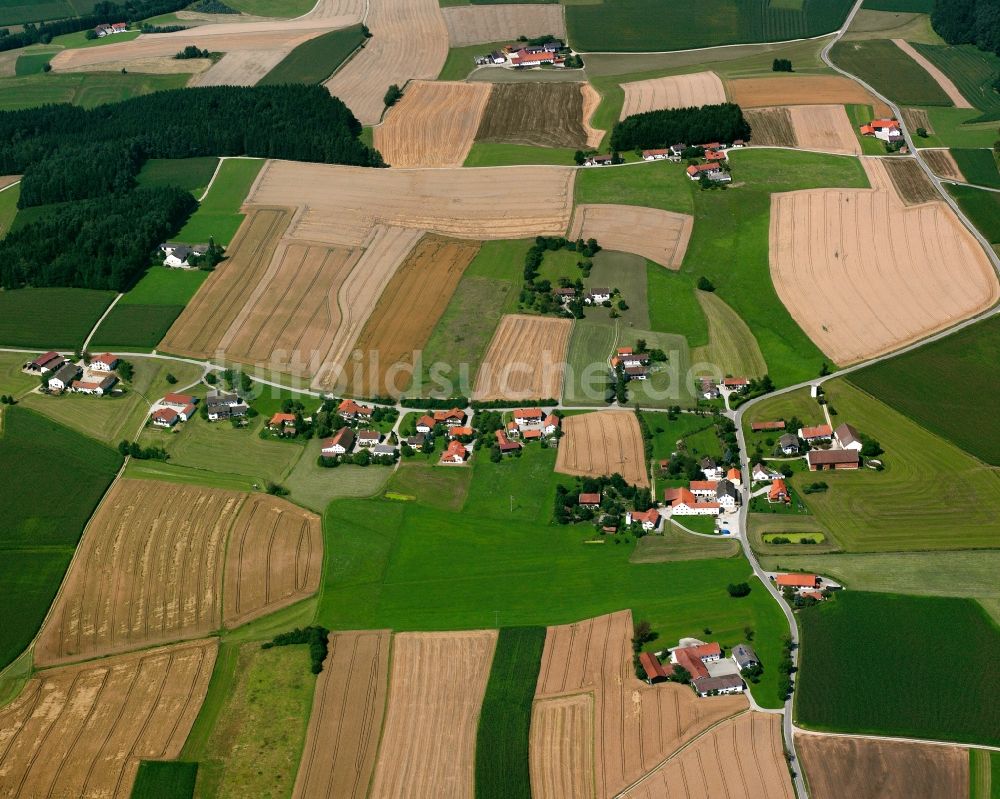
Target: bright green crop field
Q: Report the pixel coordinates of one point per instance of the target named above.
(978, 166)
(86, 89)
(892, 72)
(982, 207)
(219, 214)
(971, 70)
(159, 779)
(191, 174)
(27, 318)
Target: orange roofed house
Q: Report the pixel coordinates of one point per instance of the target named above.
(712, 171)
(797, 581)
(455, 452)
(887, 130)
(649, 519)
(283, 423)
(349, 409)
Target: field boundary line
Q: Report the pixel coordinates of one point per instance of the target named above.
(11, 185)
(97, 324)
(218, 167)
(709, 47)
(895, 738)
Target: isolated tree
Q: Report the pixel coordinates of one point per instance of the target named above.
(392, 95)
(704, 284)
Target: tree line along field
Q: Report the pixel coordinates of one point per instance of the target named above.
(883, 65)
(840, 690)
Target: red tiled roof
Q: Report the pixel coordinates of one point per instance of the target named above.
(426, 421)
(733, 475)
(706, 650)
(735, 381)
(797, 580)
(653, 668)
(652, 515)
(179, 399)
(589, 499)
(654, 152)
(444, 416)
(461, 431)
(105, 358)
(778, 488)
(281, 418)
(813, 594)
(454, 450)
(338, 438)
(528, 413)
(703, 485)
(349, 406)
(532, 434)
(370, 435)
(693, 664)
(533, 58)
(506, 445)
(885, 123)
(817, 431)
(551, 419)
(165, 414)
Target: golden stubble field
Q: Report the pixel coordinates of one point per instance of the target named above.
(525, 359)
(473, 24)
(660, 236)
(603, 443)
(811, 127)
(801, 90)
(674, 91)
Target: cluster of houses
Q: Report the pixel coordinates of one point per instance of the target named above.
(592, 296)
(221, 405)
(522, 55)
(106, 29)
(887, 130)
(173, 408)
(716, 154)
(177, 256)
(712, 389)
(829, 448)
(346, 440)
(705, 497)
(635, 365)
(96, 378)
(527, 424)
(711, 673)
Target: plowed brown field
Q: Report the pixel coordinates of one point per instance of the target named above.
(636, 725)
(801, 90)
(339, 755)
(675, 91)
(341, 204)
(429, 742)
(943, 164)
(742, 758)
(525, 359)
(274, 558)
(562, 747)
(863, 274)
(409, 40)
(537, 114)
(433, 125)
(406, 313)
(772, 127)
(496, 23)
(660, 236)
(603, 443)
(80, 731)
(872, 769)
(910, 181)
(914, 118)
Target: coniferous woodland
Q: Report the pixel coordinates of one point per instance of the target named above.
(968, 22)
(722, 123)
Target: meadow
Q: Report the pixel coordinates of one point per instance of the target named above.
(12, 379)
(28, 317)
(674, 544)
(666, 432)
(674, 306)
(32, 63)
(984, 774)
(461, 60)
(902, 6)
(982, 208)
(954, 127)
(484, 153)
(85, 89)
(880, 63)
(315, 486)
(190, 174)
(317, 59)
(159, 779)
(505, 716)
(979, 166)
(41, 528)
(273, 8)
(972, 70)
(15, 12)
(963, 368)
(219, 215)
(867, 657)
(8, 207)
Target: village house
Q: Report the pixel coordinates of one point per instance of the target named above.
(505, 444)
(105, 29)
(694, 658)
(628, 358)
(528, 416)
(599, 160)
(64, 377)
(778, 492)
(340, 443)
(735, 476)
(727, 495)
(735, 383)
(165, 417)
(349, 410)
(451, 418)
(106, 362)
(565, 294)
(710, 468)
(221, 405)
(636, 372)
(886, 130)
(833, 459)
(655, 155)
(550, 424)
(596, 296)
(177, 255)
(513, 431)
(649, 519)
(47, 362)
(820, 432)
(524, 58)
(703, 488)
(178, 400)
(676, 150)
(725, 684)
(711, 171)
(282, 423)
(455, 453)
(384, 451)
(744, 656)
(713, 156)
(592, 501)
(798, 582)
(789, 444)
(847, 437)
(425, 424)
(761, 427)
(652, 667)
(709, 390)
(416, 441)
(683, 503)
(459, 432)
(368, 438)
(532, 435)
(99, 387)
(762, 474)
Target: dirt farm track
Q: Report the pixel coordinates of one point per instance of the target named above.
(602, 443)
(525, 359)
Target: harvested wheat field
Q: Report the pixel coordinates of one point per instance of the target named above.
(8, 180)
(409, 40)
(914, 118)
(562, 747)
(824, 127)
(80, 731)
(353, 10)
(741, 758)
(407, 311)
(433, 125)
(154, 65)
(942, 80)
(274, 558)
(772, 127)
(525, 359)
(148, 571)
(909, 180)
(867, 768)
(339, 755)
(495, 23)
(660, 236)
(537, 114)
(591, 100)
(863, 274)
(636, 726)
(241, 68)
(675, 91)
(942, 164)
(801, 90)
(429, 740)
(603, 443)
(341, 204)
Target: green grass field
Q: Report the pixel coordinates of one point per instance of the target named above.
(954, 127)
(317, 59)
(27, 318)
(625, 272)
(8, 207)
(190, 174)
(789, 525)
(12, 379)
(675, 545)
(165, 286)
(62, 476)
(159, 779)
(984, 774)
(173, 473)
(674, 306)
(964, 370)
(32, 63)
(411, 566)
(219, 214)
(667, 432)
(86, 89)
(978, 166)
(982, 208)
(14, 12)
(891, 664)
(78, 40)
(315, 486)
(484, 153)
(904, 6)
(461, 60)
(272, 8)
(892, 72)
(972, 70)
(502, 741)
(731, 346)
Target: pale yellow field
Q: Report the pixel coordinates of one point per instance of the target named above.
(496, 23)
(660, 236)
(525, 359)
(675, 91)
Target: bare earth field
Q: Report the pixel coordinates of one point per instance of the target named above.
(942, 80)
(406, 313)
(801, 90)
(602, 443)
(339, 755)
(496, 23)
(341, 204)
(562, 747)
(943, 164)
(915, 118)
(80, 731)
(241, 68)
(591, 100)
(675, 91)
(772, 127)
(536, 114)
(429, 741)
(409, 40)
(660, 236)
(433, 125)
(863, 274)
(909, 180)
(274, 558)
(873, 769)
(636, 726)
(525, 359)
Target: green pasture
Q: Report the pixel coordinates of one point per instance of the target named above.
(8, 207)
(316, 486)
(676, 545)
(86, 89)
(673, 304)
(14, 12)
(955, 127)
(317, 59)
(12, 379)
(50, 317)
(982, 208)
(972, 70)
(978, 166)
(165, 779)
(461, 60)
(191, 174)
(484, 153)
(883, 65)
(219, 215)
(272, 8)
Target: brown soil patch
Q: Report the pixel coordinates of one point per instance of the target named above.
(81, 730)
(342, 204)
(872, 769)
(910, 181)
(915, 118)
(603, 443)
(406, 313)
(660, 236)
(801, 90)
(562, 747)
(433, 125)
(942, 164)
(241, 68)
(946, 84)
(537, 114)
(862, 274)
(342, 741)
(409, 40)
(743, 756)
(636, 725)
(274, 558)
(675, 91)
(824, 127)
(495, 23)
(429, 741)
(148, 571)
(7, 180)
(591, 100)
(772, 127)
(525, 359)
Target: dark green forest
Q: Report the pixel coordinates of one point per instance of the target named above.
(968, 22)
(721, 123)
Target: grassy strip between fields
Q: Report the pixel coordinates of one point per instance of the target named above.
(317, 59)
(219, 215)
(982, 207)
(502, 741)
(158, 779)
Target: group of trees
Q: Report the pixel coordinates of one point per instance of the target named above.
(315, 636)
(617, 497)
(968, 22)
(132, 449)
(392, 95)
(781, 65)
(656, 129)
(192, 52)
(538, 294)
